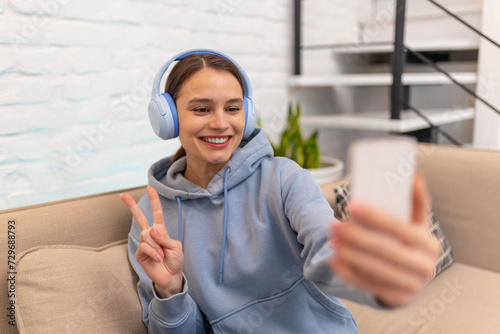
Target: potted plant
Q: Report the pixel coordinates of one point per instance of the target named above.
(306, 152)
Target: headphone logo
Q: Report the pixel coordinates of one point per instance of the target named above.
(163, 113)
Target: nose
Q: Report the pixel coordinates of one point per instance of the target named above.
(219, 120)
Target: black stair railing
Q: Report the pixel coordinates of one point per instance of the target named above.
(464, 23)
(297, 56)
(469, 91)
(398, 61)
(398, 100)
(399, 91)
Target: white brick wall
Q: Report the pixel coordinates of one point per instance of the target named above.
(75, 80)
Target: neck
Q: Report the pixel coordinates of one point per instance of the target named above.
(201, 174)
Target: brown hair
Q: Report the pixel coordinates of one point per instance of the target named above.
(188, 66)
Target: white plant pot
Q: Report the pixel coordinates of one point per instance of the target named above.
(331, 170)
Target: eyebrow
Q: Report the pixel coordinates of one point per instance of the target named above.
(205, 100)
(195, 100)
(237, 100)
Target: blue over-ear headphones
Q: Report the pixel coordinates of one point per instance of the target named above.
(163, 113)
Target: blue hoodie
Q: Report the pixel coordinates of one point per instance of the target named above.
(255, 250)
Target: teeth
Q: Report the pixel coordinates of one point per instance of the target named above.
(216, 140)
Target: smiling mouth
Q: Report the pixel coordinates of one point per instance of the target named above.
(217, 140)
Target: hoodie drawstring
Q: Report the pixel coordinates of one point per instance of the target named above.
(222, 254)
(223, 251)
(180, 218)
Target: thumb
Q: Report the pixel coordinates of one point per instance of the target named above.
(161, 237)
(421, 200)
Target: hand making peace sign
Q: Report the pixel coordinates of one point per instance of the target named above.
(159, 255)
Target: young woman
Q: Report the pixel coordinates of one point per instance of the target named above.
(230, 239)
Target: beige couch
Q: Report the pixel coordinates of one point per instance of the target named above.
(72, 275)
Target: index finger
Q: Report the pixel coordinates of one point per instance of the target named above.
(378, 220)
(156, 206)
(141, 220)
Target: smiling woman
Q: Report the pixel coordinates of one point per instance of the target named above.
(224, 223)
(211, 122)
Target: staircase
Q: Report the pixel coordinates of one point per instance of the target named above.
(427, 101)
(426, 24)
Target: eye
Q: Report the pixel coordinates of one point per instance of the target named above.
(234, 109)
(201, 110)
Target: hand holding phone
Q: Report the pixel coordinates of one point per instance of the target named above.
(382, 174)
(398, 260)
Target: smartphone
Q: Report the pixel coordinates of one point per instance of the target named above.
(382, 173)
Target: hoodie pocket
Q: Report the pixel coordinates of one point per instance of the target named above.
(333, 304)
(302, 308)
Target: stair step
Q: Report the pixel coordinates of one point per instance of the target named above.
(379, 79)
(423, 24)
(379, 120)
(420, 46)
(430, 11)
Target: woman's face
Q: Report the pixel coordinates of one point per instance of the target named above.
(211, 117)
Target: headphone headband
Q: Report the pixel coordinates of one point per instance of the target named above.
(182, 55)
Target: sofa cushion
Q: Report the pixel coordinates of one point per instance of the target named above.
(461, 300)
(69, 289)
(464, 184)
(446, 258)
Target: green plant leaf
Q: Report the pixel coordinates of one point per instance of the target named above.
(293, 146)
(312, 151)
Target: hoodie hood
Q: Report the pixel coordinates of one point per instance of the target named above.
(168, 179)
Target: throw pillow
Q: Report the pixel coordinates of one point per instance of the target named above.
(446, 258)
(73, 289)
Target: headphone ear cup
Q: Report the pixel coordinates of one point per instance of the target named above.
(250, 117)
(163, 116)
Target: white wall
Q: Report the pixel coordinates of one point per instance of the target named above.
(75, 81)
(487, 122)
